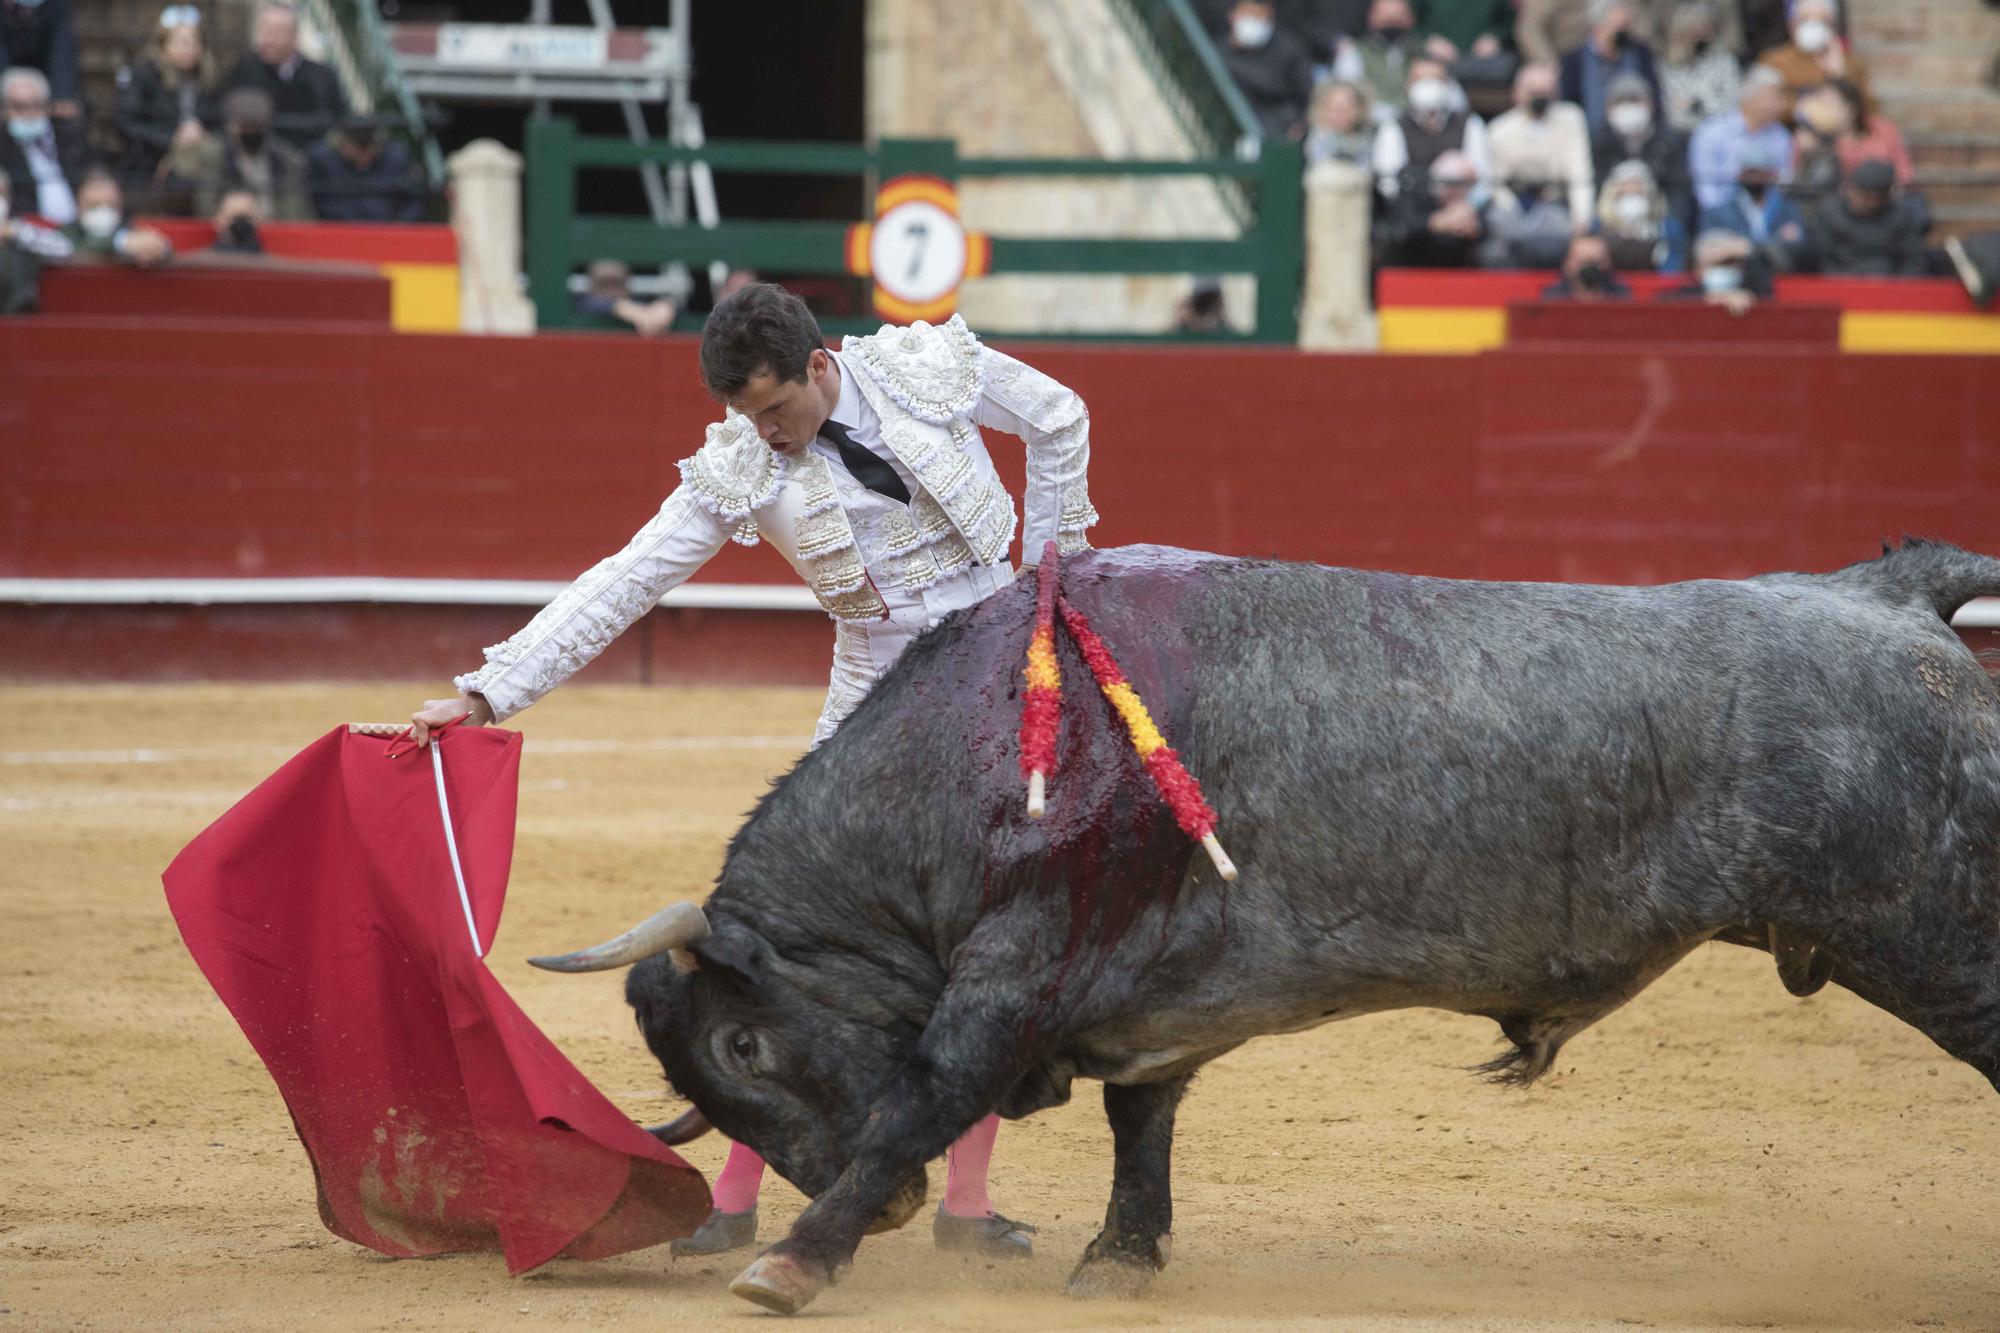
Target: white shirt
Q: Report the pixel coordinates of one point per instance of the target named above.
(54, 199)
(1554, 148)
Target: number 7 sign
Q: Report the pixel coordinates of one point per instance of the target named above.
(917, 250)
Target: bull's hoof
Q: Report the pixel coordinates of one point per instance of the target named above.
(779, 1283)
(1106, 1273)
(990, 1237)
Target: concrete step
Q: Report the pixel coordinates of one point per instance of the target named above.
(1942, 64)
(1921, 109)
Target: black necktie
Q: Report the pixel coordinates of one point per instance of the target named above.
(867, 467)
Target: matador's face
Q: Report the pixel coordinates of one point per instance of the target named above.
(789, 412)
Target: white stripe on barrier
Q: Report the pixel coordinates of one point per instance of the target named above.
(420, 592)
(192, 753)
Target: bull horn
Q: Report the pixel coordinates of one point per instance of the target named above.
(672, 927)
(689, 1124)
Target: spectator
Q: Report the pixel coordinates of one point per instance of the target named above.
(1870, 135)
(1431, 123)
(246, 156)
(1656, 22)
(167, 99)
(1719, 145)
(1586, 274)
(1270, 68)
(1633, 133)
(1610, 50)
(735, 281)
(1528, 226)
(1726, 273)
(1765, 25)
(359, 176)
(102, 228)
(1541, 148)
(1817, 53)
(41, 35)
(1763, 214)
(1379, 60)
(1438, 223)
(1548, 28)
(1869, 229)
(1456, 29)
(43, 157)
(1340, 128)
(237, 220)
(23, 247)
(306, 99)
(1637, 225)
(1201, 310)
(608, 296)
(1700, 77)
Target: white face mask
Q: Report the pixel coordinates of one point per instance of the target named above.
(1813, 36)
(1251, 29)
(99, 222)
(1722, 278)
(1633, 118)
(1631, 209)
(4, 205)
(1428, 96)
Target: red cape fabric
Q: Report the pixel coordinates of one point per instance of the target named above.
(323, 909)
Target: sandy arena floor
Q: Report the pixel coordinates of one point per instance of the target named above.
(1718, 1155)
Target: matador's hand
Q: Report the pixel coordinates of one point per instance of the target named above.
(438, 712)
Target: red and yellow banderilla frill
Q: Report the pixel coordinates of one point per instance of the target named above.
(1042, 706)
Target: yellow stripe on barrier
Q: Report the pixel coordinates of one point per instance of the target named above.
(1887, 331)
(423, 298)
(1442, 328)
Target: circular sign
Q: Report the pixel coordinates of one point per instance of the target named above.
(917, 251)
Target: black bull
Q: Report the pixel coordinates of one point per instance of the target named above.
(1516, 800)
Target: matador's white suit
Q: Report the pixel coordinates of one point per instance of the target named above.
(884, 570)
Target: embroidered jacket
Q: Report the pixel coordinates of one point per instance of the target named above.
(931, 387)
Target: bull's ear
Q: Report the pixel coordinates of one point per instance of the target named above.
(735, 951)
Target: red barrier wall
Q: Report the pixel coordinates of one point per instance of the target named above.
(213, 449)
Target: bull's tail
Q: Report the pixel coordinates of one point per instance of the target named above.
(1934, 574)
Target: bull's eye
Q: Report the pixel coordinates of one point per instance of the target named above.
(744, 1045)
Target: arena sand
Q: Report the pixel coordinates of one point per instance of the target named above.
(1717, 1155)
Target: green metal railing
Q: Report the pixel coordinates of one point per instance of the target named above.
(1269, 245)
(362, 56)
(1188, 70)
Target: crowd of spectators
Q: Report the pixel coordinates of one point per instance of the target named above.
(1725, 140)
(269, 138)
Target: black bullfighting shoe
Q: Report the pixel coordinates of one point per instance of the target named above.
(993, 1236)
(719, 1233)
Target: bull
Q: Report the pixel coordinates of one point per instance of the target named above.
(1521, 801)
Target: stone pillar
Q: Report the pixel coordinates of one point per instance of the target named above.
(486, 215)
(1335, 314)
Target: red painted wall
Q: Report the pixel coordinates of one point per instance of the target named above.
(157, 449)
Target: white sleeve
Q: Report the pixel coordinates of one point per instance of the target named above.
(597, 608)
(1052, 421)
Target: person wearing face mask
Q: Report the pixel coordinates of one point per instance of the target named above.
(1870, 229)
(101, 227)
(1611, 49)
(1380, 58)
(361, 175)
(1727, 272)
(1817, 53)
(43, 157)
(1636, 224)
(306, 96)
(1339, 127)
(1544, 143)
(1270, 68)
(1587, 274)
(245, 156)
(1765, 215)
(23, 247)
(1431, 124)
(1632, 132)
(1438, 222)
(1700, 76)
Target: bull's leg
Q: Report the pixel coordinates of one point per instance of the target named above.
(1938, 971)
(1139, 1221)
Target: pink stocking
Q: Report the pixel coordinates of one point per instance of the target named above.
(735, 1190)
(965, 1170)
